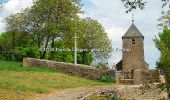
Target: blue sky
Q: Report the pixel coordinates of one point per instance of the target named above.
(116, 22)
(3, 1)
(111, 14)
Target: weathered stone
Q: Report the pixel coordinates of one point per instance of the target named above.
(134, 92)
(81, 70)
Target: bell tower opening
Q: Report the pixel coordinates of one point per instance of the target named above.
(133, 41)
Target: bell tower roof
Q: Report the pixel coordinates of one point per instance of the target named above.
(133, 32)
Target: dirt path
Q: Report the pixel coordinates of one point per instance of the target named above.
(76, 94)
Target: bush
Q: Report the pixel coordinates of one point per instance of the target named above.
(106, 78)
(114, 98)
(102, 65)
(164, 98)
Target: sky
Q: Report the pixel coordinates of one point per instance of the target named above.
(111, 14)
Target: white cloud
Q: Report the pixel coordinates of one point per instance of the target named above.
(111, 14)
(11, 7)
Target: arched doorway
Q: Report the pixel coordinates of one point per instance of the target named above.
(132, 74)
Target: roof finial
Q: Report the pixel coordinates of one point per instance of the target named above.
(133, 18)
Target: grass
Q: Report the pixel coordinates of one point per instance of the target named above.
(17, 82)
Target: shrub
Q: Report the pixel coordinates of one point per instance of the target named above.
(114, 98)
(164, 98)
(106, 78)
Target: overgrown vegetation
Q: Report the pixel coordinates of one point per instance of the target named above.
(107, 79)
(17, 82)
(163, 44)
(46, 30)
(140, 4)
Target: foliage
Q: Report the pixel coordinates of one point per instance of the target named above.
(131, 5)
(23, 46)
(107, 79)
(102, 65)
(62, 54)
(135, 4)
(163, 44)
(164, 98)
(164, 20)
(44, 21)
(52, 24)
(92, 40)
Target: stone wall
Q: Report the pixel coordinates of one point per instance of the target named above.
(133, 59)
(141, 77)
(68, 68)
(131, 92)
(150, 76)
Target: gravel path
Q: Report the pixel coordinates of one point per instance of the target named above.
(76, 94)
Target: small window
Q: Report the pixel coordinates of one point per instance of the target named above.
(133, 41)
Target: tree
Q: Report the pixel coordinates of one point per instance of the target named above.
(135, 4)
(45, 20)
(164, 20)
(163, 44)
(52, 24)
(57, 14)
(94, 39)
(62, 53)
(15, 26)
(5, 46)
(91, 37)
(23, 46)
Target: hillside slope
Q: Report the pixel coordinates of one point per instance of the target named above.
(17, 82)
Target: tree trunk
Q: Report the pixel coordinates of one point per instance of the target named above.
(46, 45)
(39, 46)
(84, 57)
(13, 45)
(52, 46)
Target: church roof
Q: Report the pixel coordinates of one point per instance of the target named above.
(133, 32)
(119, 66)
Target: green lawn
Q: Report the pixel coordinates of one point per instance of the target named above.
(17, 82)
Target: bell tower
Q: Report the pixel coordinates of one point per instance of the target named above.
(133, 59)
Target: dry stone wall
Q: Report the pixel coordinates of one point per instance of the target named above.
(132, 92)
(81, 70)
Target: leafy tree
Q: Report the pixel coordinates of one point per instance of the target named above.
(23, 46)
(135, 4)
(94, 39)
(56, 14)
(44, 21)
(52, 24)
(5, 46)
(163, 44)
(13, 25)
(91, 37)
(164, 20)
(62, 53)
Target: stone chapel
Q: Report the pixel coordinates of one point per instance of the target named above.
(134, 59)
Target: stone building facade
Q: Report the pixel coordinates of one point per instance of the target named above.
(133, 59)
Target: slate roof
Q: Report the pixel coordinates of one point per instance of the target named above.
(133, 32)
(119, 66)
